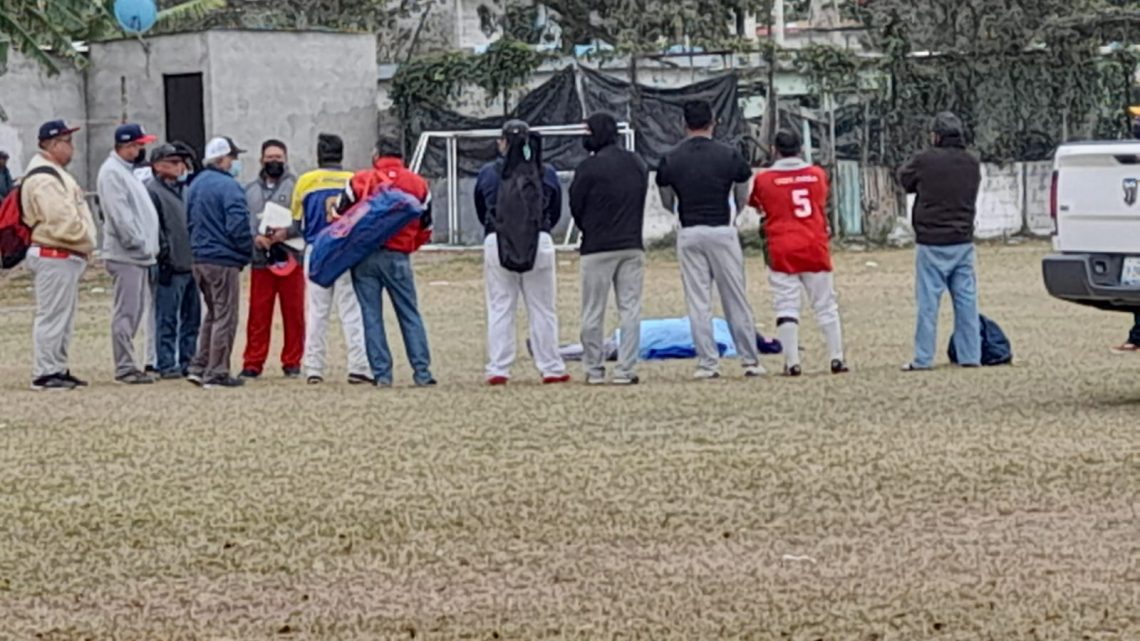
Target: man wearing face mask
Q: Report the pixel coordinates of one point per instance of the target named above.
(221, 242)
(274, 184)
(130, 246)
(178, 311)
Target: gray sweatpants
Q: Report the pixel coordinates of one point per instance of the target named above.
(132, 294)
(711, 255)
(56, 283)
(623, 272)
(221, 293)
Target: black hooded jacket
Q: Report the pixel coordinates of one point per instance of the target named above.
(946, 179)
(607, 197)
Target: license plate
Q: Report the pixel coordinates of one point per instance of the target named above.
(1130, 273)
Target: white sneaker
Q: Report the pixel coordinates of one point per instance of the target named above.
(706, 374)
(756, 371)
(595, 380)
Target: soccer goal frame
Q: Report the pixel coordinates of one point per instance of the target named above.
(451, 140)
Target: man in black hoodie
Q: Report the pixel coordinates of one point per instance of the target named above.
(607, 201)
(945, 178)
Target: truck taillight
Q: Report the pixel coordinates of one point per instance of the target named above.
(1053, 197)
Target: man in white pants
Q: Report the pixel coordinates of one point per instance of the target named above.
(537, 286)
(314, 207)
(701, 174)
(792, 195)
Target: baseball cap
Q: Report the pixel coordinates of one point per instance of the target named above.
(515, 128)
(281, 261)
(55, 129)
(133, 133)
(221, 147)
(166, 150)
(4, 155)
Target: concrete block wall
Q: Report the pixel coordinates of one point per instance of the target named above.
(30, 97)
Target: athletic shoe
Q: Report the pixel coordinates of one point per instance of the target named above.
(1126, 348)
(135, 378)
(911, 367)
(595, 380)
(382, 384)
(227, 382)
(839, 367)
(194, 379)
(150, 369)
(756, 371)
(793, 371)
(315, 380)
(249, 373)
(431, 382)
(172, 375)
(360, 379)
(627, 380)
(52, 383)
(555, 380)
(71, 379)
(706, 374)
(498, 381)
(292, 372)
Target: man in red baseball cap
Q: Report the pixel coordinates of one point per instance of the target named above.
(130, 247)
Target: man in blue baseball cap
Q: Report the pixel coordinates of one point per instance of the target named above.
(130, 246)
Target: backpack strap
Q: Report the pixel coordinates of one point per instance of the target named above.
(43, 170)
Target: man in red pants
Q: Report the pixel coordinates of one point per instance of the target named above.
(276, 274)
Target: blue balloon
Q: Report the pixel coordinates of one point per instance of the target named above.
(136, 16)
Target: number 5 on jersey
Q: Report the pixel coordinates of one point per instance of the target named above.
(801, 198)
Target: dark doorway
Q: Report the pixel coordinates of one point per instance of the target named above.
(185, 119)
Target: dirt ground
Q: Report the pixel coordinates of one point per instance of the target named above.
(954, 505)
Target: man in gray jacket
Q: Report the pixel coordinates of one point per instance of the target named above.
(178, 305)
(130, 246)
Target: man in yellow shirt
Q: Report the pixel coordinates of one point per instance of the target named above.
(314, 207)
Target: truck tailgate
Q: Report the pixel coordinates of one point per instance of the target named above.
(1098, 204)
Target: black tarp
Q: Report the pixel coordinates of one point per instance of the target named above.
(658, 119)
(555, 102)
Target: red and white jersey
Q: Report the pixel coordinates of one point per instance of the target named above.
(792, 195)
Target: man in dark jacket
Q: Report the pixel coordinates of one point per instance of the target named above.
(221, 242)
(274, 184)
(504, 287)
(945, 178)
(607, 201)
(178, 307)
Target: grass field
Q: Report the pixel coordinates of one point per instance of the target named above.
(954, 505)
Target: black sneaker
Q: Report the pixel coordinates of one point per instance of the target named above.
(794, 371)
(172, 375)
(292, 372)
(839, 367)
(315, 380)
(431, 382)
(150, 369)
(223, 382)
(71, 379)
(249, 373)
(360, 379)
(52, 383)
(135, 378)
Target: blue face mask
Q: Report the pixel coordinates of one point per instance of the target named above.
(182, 178)
(235, 168)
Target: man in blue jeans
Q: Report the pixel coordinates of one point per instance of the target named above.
(390, 268)
(945, 178)
(178, 308)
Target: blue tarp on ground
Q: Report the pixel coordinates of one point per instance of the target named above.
(669, 338)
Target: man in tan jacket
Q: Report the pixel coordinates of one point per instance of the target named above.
(63, 236)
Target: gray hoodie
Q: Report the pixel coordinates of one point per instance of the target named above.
(130, 229)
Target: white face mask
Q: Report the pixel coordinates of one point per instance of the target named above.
(235, 168)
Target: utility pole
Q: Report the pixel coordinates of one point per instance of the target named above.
(774, 42)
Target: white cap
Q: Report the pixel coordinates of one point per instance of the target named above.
(221, 147)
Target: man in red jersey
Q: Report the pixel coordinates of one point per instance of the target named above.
(792, 197)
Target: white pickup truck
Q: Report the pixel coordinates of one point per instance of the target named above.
(1095, 203)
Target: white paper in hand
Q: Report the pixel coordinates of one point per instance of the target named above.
(275, 217)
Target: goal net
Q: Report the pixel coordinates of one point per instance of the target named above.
(456, 223)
